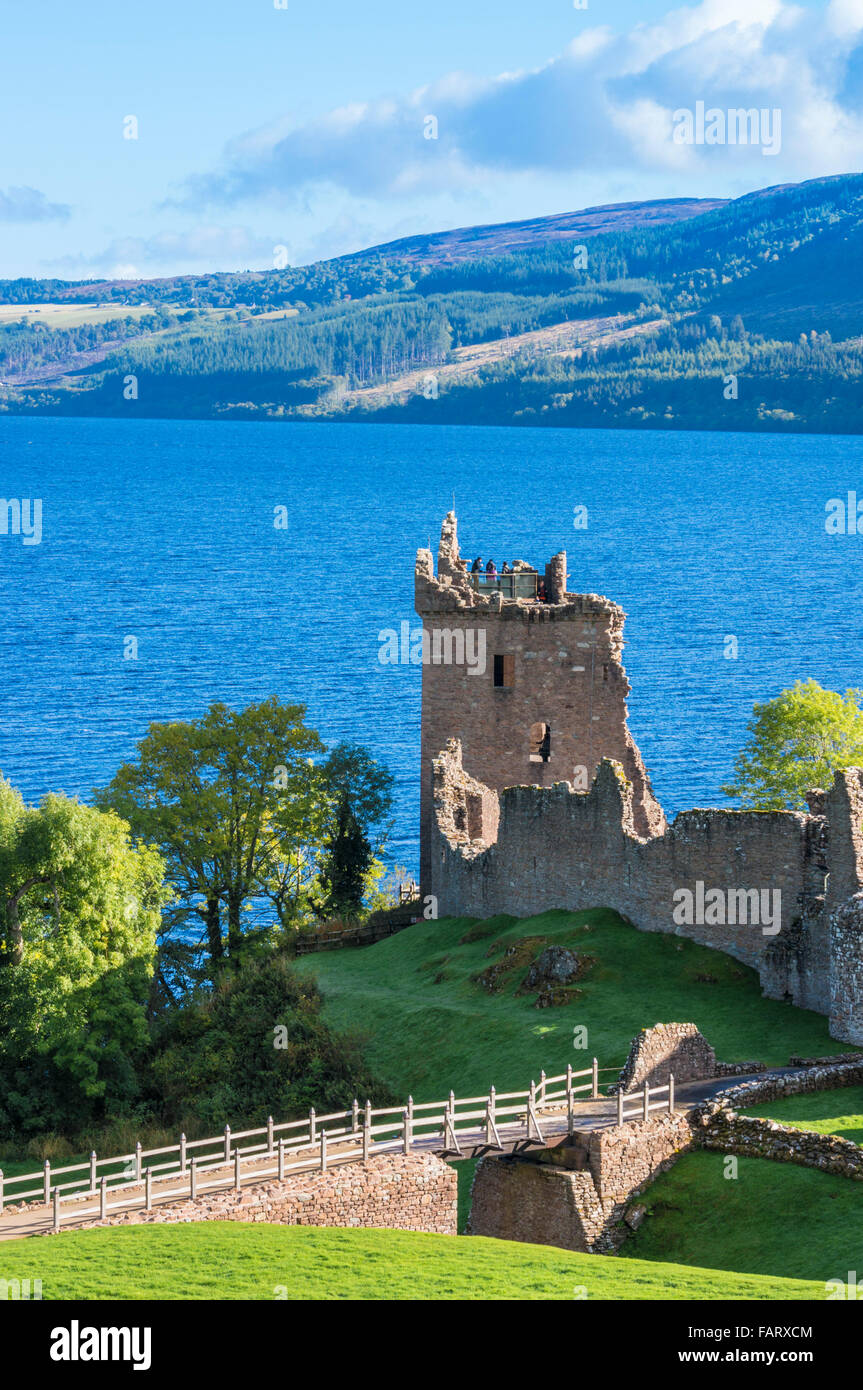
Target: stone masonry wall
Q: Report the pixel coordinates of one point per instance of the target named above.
(676, 1049)
(575, 1196)
(399, 1192)
(553, 847)
(717, 1124)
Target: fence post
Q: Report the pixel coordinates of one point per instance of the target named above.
(56, 1208)
(355, 1116)
(138, 1161)
(269, 1136)
(406, 1116)
(646, 1111)
(93, 1172)
(533, 1094)
(193, 1179)
(323, 1150)
(367, 1131)
(620, 1106)
(182, 1153)
(103, 1198)
(281, 1160)
(227, 1143)
(312, 1126)
(595, 1079)
(47, 1181)
(490, 1119)
(148, 1190)
(671, 1093)
(570, 1102)
(542, 1088)
(237, 1169)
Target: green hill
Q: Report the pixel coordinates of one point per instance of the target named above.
(430, 1026)
(772, 1219)
(627, 316)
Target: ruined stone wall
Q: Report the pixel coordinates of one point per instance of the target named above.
(399, 1192)
(567, 672)
(677, 1049)
(846, 978)
(553, 847)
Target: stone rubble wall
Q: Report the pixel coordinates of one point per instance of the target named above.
(676, 1049)
(399, 1192)
(718, 1125)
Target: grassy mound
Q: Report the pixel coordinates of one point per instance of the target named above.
(431, 1025)
(773, 1219)
(230, 1260)
(828, 1112)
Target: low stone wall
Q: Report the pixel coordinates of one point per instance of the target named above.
(400, 1192)
(835, 1061)
(718, 1125)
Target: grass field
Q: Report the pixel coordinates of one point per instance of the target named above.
(229, 1260)
(431, 1028)
(828, 1112)
(69, 315)
(772, 1219)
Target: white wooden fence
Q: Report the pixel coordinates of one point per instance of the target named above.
(643, 1102)
(192, 1167)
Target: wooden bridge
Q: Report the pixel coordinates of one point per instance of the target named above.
(542, 1116)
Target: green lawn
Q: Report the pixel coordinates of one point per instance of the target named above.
(829, 1112)
(430, 1028)
(229, 1260)
(773, 1219)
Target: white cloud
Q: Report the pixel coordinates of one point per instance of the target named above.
(603, 106)
(23, 204)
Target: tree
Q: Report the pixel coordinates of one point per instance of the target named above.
(256, 1046)
(796, 742)
(79, 911)
(233, 801)
(360, 792)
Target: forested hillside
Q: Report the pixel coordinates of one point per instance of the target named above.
(746, 316)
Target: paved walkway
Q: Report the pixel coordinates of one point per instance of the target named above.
(589, 1115)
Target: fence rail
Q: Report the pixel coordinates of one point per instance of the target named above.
(643, 1103)
(195, 1166)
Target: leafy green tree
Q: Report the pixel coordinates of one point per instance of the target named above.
(80, 907)
(796, 742)
(234, 802)
(360, 792)
(256, 1046)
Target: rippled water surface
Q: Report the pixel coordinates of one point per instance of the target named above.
(164, 531)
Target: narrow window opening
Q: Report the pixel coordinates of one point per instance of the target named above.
(504, 671)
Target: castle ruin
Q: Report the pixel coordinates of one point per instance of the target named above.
(534, 795)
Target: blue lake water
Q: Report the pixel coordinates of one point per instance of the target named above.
(163, 530)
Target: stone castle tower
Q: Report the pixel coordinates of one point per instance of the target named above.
(532, 686)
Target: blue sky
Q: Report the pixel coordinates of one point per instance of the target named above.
(305, 126)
